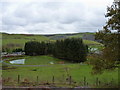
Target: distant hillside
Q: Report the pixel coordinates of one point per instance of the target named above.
(18, 40)
(12, 41)
(84, 36)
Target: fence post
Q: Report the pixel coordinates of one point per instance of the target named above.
(37, 80)
(84, 81)
(18, 79)
(87, 83)
(112, 82)
(53, 79)
(70, 80)
(97, 81)
(63, 78)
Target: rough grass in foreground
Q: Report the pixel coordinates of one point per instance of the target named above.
(61, 73)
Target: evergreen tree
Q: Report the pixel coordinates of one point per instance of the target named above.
(31, 48)
(18, 50)
(70, 49)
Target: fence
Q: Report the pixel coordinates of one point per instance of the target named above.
(66, 81)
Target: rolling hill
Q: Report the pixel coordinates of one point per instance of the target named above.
(13, 41)
(18, 40)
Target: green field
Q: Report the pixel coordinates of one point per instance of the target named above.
(76, 71)
(79, 35)
(40, 60)
(89, 42)
(18, 40)
(12, 41)
(59, 71)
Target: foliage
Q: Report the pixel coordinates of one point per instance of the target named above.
(109, 36)
(36, 48)
(69, 49)
(18, 50)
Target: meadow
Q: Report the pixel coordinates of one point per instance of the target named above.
(13, 41)
(60, 72)
(76, 71)
(39, 60)
(38, 70)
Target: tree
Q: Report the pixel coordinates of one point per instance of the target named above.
(38, 48)
(32, 48)
(71, 49)
(17, 50)
(109, 36)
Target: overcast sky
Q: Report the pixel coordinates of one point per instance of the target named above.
(52, 16)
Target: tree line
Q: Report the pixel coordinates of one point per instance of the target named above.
(72, 49)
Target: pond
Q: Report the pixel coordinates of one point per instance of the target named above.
(1, 61)
(18, 61)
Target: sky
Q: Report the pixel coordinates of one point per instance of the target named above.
(52, 16)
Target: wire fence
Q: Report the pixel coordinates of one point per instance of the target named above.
(20, 81)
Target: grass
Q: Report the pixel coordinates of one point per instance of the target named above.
(60, 72)
(18, 40)
(38, 60)
(13, 41)
(93, 44)
(79, 35)
(89, 42)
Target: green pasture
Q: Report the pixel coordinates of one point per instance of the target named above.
(39, 60)
(18, 40)
(60, 73)
(79, 35)
(12, 41)
(89, 42)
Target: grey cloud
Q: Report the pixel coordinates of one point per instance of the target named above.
(14, 21)
(52, 17)
(52, 5)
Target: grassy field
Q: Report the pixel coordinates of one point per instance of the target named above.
(40, 60)
(12, 41)
(60, 72)
(18, 40)
(89, 42)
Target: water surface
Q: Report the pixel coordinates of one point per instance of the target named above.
(18, 61)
